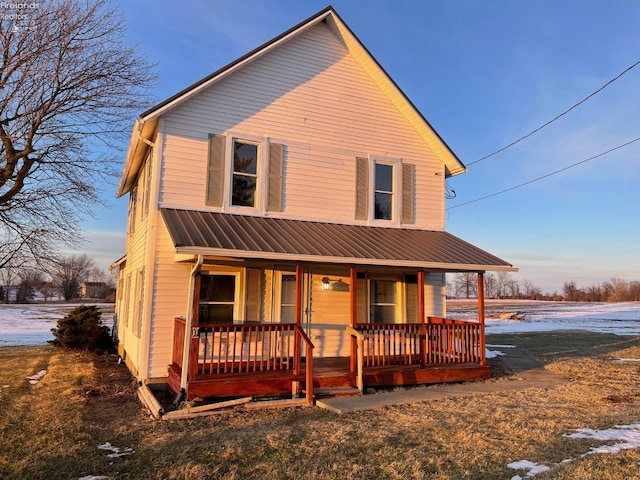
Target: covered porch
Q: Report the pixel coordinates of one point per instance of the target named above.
(248, 359)
(362, 287)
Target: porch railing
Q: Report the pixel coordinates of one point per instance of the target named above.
(437, 341)
(244, 348)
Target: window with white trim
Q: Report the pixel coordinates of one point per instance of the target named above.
(384, 190)
(244, 175)
(244, 172)
(383, 300)
(217, 303)
(288, 298)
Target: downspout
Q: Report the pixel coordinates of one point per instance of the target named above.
(187, 328)
(140, 137)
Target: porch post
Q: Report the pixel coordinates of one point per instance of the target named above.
(483, 360)
(421, 319)
(188, 334)
(298, 319)
(353, 319)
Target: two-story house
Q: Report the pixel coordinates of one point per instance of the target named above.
(286, 230)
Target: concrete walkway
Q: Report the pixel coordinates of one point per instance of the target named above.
(531, 373)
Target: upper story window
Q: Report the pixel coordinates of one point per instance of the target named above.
(245, 174)
(383, 192)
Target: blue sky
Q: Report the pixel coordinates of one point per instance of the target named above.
(483, 73)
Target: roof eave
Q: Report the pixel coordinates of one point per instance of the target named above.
(248, 254)
(142, 134)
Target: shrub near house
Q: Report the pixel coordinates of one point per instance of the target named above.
(82, 329)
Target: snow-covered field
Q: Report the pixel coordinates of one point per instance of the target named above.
(32, 324)
(616, 318)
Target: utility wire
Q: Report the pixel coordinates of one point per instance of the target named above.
(546, 176)
(556, 117)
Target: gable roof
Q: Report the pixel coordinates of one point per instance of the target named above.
(145, 126)
(279, 239)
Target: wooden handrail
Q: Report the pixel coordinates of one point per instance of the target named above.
(179, 327)
(359, 336)
(309, 363)
(437, 341)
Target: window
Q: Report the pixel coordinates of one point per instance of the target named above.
(288, 299)
(383, 301)
(245, 174)
(383, 192)
(217, 301)
(139, 306)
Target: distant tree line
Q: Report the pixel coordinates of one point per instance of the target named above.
(503, 286)
(61, 280)
(614, 290)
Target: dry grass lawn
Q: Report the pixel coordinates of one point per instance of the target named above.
(53, 429)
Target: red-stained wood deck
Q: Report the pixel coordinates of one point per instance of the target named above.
(267, 359)
(327, 373)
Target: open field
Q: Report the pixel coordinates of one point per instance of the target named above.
(31, 324)
(82, 418)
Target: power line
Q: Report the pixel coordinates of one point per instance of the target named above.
(556, 117)
(545, 176)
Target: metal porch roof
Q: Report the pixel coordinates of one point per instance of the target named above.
(243, 236)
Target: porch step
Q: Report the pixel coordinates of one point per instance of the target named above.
(335, 392)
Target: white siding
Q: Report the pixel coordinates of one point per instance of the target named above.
(329, 317)
(171, 285)
(313, 97)
(130, 314)
(435, 292)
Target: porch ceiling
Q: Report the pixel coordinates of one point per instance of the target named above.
(243, 236)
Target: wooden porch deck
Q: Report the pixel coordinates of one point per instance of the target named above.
(327, 373)
(267, 359)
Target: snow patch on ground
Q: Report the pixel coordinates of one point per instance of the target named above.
(94, 477)
(629, 436)
(532, 467)
(493, 353)
(626, 359)
(34, 379)
(116, 451)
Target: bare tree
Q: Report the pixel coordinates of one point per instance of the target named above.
(70, 273)
(70, 87)
(490, 287)
(571, 291)
(30, 280)
(512, 287)
(530, 290)
(466, 284)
